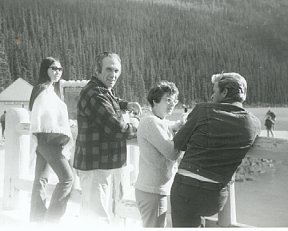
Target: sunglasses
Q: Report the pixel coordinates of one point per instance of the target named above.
(57, 68)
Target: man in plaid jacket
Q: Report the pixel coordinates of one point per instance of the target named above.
(100, 150)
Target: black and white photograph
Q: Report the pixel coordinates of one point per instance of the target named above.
(131, 114)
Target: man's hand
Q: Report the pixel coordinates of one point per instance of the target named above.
(132, 131)
(179, 123)
(135, 107)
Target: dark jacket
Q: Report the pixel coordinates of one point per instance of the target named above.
(216, 138)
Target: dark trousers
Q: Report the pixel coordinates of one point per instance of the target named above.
(50, 155)
(191, 199)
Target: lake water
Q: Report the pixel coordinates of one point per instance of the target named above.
(263, 202)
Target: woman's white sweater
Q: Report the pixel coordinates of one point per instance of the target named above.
(50, 115)
(158, 158)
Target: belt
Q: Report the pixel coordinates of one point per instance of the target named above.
(198, 183)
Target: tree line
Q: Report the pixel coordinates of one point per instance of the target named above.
(185, 41)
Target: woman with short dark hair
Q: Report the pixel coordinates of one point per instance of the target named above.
(158, 158)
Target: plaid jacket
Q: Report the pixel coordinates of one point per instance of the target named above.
(101, 140)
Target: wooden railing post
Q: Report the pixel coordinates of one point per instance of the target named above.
(17, 145)
(227, 217)
(133, 159)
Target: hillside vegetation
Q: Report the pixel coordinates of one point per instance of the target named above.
(185, 41)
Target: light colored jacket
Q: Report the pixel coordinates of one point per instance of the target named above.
(158, 158)
(50, 115)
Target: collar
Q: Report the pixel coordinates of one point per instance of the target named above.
(237, 104)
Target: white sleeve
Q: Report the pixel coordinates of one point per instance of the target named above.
(157, 135)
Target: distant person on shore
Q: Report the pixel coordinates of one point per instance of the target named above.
(270, 122)
(101, 151)
(271, 114)
(52, 140)
(215, 138)
(2, 119)
(158, 158)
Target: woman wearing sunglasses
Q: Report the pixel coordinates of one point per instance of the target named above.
(158, 158)
(52, 139)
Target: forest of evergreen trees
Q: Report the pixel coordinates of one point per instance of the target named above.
(185, 41)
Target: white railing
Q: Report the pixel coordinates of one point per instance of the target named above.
(17, 173)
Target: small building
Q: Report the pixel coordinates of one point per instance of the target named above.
(16, 94)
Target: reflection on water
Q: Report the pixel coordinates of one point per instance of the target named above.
(263, 202)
